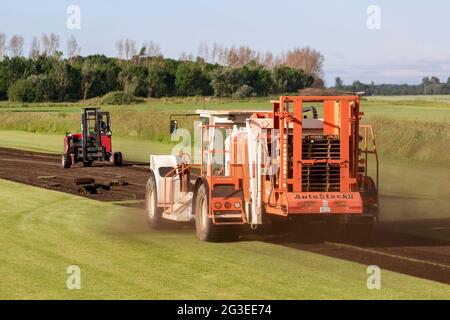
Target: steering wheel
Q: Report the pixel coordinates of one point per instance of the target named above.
(219, 171)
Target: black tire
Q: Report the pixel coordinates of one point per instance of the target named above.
(370, 198)
(66, 161)
(152, 211)
(87, 164)
(206, 229)
(118, 159)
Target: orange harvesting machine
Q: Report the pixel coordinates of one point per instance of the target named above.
(283, 165)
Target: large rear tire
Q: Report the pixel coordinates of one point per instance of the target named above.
(153, 212)
(118, 158)
(370, 198)
(206, 229)
(66, 161)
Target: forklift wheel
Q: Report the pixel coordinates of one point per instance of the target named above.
(118, 160)
(87, 163)
(66, 161)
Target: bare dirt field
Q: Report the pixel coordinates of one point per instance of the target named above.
(44, 170)
(392, 246)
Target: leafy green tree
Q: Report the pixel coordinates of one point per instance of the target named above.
(189, 80)
(66, 80)
(244, 91)
(158, 82)
(435, 81)
(35, 88)
(22, 90)
(11, 70)
(256, 77)
(286, 79)
(428, 86)
(99, 75)
(89, 74)
(133, 79)
(226, 81)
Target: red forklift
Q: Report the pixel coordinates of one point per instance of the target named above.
(93, 143)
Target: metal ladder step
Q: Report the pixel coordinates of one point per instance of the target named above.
(182, 212)
(229, 216)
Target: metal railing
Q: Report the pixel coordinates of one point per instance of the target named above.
(367, 129)
(177, 171)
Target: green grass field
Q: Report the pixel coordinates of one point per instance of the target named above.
(120, 258)
(45, 232)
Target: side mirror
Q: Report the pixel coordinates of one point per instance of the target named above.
(173, 126)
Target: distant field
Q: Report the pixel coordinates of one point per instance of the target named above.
(45, 232)
(444, 98)
(408, 108)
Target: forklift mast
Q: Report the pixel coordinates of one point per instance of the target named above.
(89, 116)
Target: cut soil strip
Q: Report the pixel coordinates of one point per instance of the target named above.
(44, 171)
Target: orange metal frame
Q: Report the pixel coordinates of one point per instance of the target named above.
(207, 171)
(346, 125)
(341, 118)
(179, 170)
(367, 129)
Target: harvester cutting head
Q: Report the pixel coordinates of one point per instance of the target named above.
(94, 141)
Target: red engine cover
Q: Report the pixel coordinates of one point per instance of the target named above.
(106, 142)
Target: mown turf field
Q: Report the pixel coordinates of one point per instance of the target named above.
(44, 232)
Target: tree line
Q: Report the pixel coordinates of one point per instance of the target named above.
(48, 74)
(428, 86)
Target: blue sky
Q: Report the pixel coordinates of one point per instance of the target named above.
(413, 41)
